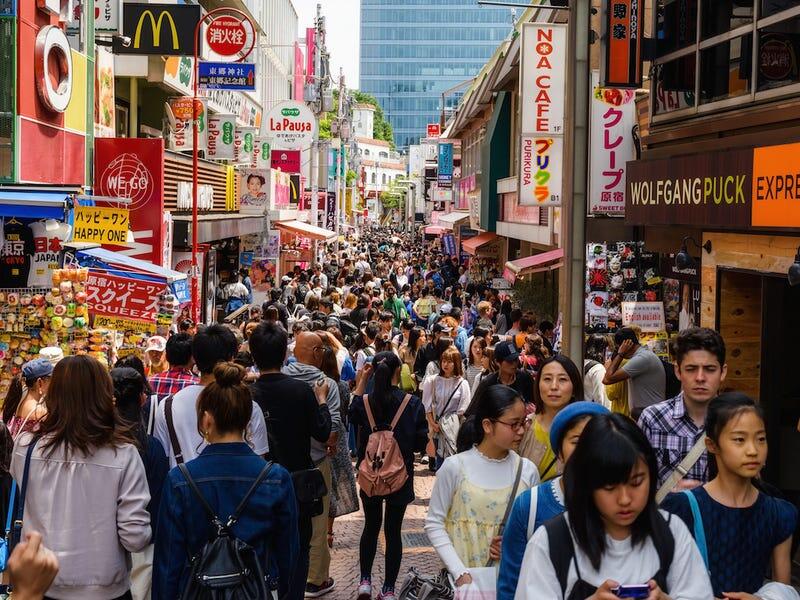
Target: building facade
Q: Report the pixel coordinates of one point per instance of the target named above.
(413, 51)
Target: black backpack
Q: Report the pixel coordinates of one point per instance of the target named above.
(562, 554)
(226, 568)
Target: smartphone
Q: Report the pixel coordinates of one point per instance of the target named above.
(632, 591)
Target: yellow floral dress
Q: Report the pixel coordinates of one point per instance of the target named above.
(474, 519)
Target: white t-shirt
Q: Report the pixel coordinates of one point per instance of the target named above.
(687, 578)
(184, 417)
(436, 393)
(481, 471)
(48, 238)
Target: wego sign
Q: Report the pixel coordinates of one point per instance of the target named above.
(291, 125)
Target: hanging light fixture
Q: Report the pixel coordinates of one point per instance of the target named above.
(794, 270)
(684, 260)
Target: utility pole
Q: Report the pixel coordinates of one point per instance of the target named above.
(340, 162)
(318, 107)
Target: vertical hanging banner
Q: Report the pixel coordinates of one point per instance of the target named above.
(179, 114)
(445, 172)
(621, 63)
(243, 142)
(542, 96)
(612, 123)
(221, 129)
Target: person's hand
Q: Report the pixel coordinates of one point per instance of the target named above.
(739, 596)
(32, 568)
(321, 390)
(464, 580)
(625, 348)
(495, 547)
(366, 371)
(435, 427)
(655, 592)
(604, 591)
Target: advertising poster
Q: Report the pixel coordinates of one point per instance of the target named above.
(273, 249)
(253, 196)
(612, 146)
(263, 274)
(221, 129)
(104, 117)
(648, 316)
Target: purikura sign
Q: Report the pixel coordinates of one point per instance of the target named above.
(290, 125)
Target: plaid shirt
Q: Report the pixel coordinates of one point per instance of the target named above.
(672, 434)
(172, 381)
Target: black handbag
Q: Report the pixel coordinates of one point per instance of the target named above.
(310, 489)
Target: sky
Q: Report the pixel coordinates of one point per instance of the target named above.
(343, 33)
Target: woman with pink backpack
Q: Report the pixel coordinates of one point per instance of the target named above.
(391, 426)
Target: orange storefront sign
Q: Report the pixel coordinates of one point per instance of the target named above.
(621, 55)
(776, 186)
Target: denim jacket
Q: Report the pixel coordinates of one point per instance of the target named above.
(224, 474)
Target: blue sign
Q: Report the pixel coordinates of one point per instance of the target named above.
(246, 259)
(227, 76)
(446, 160)
(181, 290)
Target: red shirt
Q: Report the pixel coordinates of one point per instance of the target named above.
(172, 381)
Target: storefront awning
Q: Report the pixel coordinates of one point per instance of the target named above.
(434, 230)
(215, 227)
(306, 230)
(547, 261)
(111, 260)
(472, 244)
(449, 220)
(33, 204)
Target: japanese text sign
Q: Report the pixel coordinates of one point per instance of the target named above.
(123, 297)
(101, 225)
(649, 316)
(445, 174)
(434, 130)
(226, 76)
(290, 125)
(613, 120)
(118, 324)
(226, 35)
(621, 53)
(541, 171)
(221, 130)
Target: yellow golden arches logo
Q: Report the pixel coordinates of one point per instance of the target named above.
(156, 27)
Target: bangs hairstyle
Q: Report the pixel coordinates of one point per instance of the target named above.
(575, 376)
(588, 469)
(454, 356)
(722, 410)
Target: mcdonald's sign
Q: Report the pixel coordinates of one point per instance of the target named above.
(166, 29)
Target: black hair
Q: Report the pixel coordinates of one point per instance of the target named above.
(407, 325)
(259, 177)
(214, 345)
(413, 338)
(244, 359)
(455, 312)
(386, 316)
(493, 404)
(515, 315)
(135, 363)
(268, 344)
(185, 326)
(384, 366)
(371, 331)
(15, 394)
(700, 338)
(274, 296)
(129, 386)
(480, 332)
(587, 470)
(626, 333)
(442, 344)
(575, 376)
(721, 411)
(179, 350)
(546, 326)
(596, 346)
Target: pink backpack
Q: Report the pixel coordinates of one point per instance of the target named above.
(383, 470)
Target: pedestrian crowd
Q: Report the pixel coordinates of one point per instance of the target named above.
(217, 465)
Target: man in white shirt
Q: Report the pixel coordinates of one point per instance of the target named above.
(180, 439)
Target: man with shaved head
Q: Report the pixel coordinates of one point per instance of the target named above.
(309, 351)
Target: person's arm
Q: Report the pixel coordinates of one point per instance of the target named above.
(465, 396)
(782, 562)
(319, 413)
(257, 432)
(614, 372)
(421, 430)
(334, 406)
(286, 541)
(32, 568)
(687, 578)
(441, 498)
(133, 520)
(170, 552)
(515, 538)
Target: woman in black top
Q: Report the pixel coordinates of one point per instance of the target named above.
(411, 434)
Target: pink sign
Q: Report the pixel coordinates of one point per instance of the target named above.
(311, 48)
(299, 75)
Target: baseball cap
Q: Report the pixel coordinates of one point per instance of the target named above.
(446, 308)
(567, 414)
(505, 351)
(157, 344)
(36, 368)
(53, 354)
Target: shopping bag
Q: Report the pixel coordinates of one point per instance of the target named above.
(483, 586)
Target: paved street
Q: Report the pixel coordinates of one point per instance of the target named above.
(417, 552)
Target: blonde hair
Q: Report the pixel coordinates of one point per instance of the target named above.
(350, 301)
(484, 307)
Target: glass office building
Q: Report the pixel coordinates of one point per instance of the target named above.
(413, 50)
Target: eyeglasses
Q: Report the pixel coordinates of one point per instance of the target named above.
(516, 425)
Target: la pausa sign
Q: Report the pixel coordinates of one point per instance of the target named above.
(291, 125)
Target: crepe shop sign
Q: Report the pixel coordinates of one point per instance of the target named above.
(649, 316)
(123, 297)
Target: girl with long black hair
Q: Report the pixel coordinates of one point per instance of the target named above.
(612, 532)
(474, 488)
(411, 433)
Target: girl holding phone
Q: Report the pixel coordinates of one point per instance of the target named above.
(613, 533)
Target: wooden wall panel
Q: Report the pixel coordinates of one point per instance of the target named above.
(740, 326)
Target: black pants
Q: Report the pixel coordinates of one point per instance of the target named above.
(392, 526)
(297, 587)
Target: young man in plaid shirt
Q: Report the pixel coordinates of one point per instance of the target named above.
(179, 375)
(674, 426)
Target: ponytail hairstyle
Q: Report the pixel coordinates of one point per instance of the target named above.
(227, 399)
(492, 405)
(722, 410)
(13, 398)
(587, 470)
(128, 391)
(384, 367)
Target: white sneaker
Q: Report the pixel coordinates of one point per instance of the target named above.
(365, 590)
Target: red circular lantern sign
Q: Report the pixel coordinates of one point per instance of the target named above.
(226, 36)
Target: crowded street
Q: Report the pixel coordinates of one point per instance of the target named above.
(399, 299)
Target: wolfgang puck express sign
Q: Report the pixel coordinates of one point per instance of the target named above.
(712, 189)
(776, 186)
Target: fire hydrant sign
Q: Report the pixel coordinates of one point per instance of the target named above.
(226, 36)
(122, 297)
(290, 125)
(649, 316)
(101, 225)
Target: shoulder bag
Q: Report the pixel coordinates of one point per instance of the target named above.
(173, 436)
(682, 469)
(13, 531)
